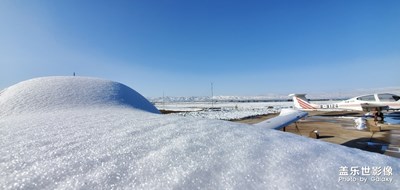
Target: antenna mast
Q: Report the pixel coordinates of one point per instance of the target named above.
(212, 95)
(163, 99)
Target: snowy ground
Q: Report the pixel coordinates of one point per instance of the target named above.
(225, 111)
(59, 133)
(240, 110)
(228, 110)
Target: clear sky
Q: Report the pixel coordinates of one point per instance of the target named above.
(179, 47)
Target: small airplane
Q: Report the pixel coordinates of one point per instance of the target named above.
(366, 103)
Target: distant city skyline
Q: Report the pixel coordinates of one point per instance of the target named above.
(178, 48)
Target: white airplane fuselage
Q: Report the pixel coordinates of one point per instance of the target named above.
(384, 101)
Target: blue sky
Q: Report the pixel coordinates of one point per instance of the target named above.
(179, 47)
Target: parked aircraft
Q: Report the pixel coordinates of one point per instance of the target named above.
(371, 102)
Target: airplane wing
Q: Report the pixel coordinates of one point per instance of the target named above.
(285, 118)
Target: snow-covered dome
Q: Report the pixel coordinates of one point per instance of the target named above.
(82, 133)
(64, 92)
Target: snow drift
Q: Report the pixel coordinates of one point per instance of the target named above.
(55, 93)
(84, 133)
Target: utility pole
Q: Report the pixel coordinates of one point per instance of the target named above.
(212, 95)
(163, 101)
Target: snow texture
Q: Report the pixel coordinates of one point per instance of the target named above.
(57, 93)
(279, 97)
(226, 113)
(85, 133)
(223, 110)
(360, 123)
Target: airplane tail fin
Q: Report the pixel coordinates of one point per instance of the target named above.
(300, 101)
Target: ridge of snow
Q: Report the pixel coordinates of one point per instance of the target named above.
(123, 148)
(64, 92)
(109, 142)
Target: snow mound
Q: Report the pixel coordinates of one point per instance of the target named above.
(58, 93)
(120, 148)
(82, 133)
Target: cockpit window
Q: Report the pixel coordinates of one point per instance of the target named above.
(388, 97)
(367, 98)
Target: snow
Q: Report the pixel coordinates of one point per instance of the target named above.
(264, 98)
(226, 111)
(360, 123)
(87, 140)
(193, 106)
(279, 96)
(55, 93)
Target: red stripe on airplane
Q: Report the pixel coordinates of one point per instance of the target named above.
(304, 104)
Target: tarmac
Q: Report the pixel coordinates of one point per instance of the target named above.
(334, 127)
